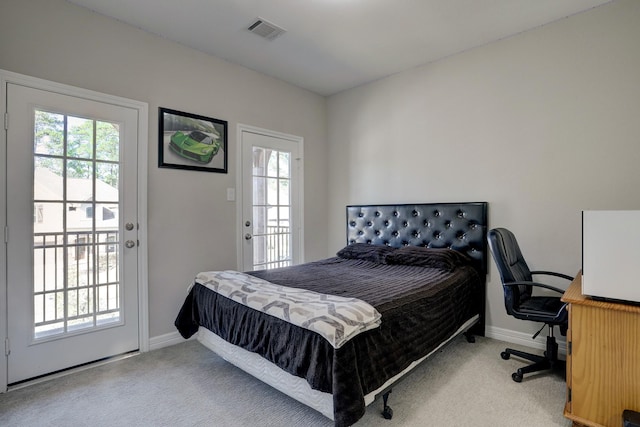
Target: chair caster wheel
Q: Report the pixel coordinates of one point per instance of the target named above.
(516, 377)
(387, 413)
(505, 355)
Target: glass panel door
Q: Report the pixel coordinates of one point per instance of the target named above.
(271, 170)
(72, 269)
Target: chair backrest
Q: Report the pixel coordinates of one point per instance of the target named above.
(511, 265)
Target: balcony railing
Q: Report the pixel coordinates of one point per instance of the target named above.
(76, 281)
(273, 249)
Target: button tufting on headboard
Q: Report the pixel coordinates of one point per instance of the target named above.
(459, 226)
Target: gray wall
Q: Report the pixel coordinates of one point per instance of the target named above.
(55, 40)
(541, 125)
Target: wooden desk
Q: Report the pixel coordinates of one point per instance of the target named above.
(603, 360)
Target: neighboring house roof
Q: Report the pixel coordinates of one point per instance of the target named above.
(48, 186)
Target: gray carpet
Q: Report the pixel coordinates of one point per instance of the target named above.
(187, 385)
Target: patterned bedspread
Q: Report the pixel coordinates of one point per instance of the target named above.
(337, 319)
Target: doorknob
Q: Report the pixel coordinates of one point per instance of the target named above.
(129, 244)
(129, 226)
(247, 236)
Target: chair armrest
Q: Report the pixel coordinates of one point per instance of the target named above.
(540, 285)
(553, 273)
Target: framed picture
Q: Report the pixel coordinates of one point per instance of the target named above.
(192, 142)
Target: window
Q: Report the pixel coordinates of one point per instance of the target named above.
(38, 214)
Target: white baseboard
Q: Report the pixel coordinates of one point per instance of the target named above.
(506, 335)
(165, 340)
(524, 339)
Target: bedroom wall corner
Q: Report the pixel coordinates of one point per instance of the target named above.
(541, 125)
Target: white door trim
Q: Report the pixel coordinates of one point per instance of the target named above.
(143, 119)
(239, 187)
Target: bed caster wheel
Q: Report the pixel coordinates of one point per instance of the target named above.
(505, 355)
(387, 413)
(517, 377)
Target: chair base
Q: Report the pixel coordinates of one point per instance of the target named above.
(540, 363)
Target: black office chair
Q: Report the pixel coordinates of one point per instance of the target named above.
(520, 303)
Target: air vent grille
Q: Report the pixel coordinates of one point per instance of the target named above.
(266, 29)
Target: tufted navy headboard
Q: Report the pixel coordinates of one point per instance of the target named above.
(459, 226)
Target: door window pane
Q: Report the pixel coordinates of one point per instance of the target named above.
(79, 175)
(107, 141)
(48, 133)
(259, 220)
(284, 195)
(107, 178)
(76, 224)
(47, 178)
(271, 210)
(272, 191)
(259, 249)
(272, 163)
(259, 190)
(259, 163)
(80, 137)
(283, 164)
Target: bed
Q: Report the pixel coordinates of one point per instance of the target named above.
(419, 273)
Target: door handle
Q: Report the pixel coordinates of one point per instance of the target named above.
(248, 236)
(129, 244)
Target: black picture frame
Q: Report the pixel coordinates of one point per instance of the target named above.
(184, 140)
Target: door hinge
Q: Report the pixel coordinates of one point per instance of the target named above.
(569, 348)
(569, 395)
(6, 234)
(7, 348)
(6, 121)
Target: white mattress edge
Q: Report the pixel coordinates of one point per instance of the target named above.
(296, 387)
(269, 373)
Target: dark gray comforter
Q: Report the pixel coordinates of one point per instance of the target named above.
(420, 308)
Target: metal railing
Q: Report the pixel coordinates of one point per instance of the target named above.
(274, 251)
(76, 282)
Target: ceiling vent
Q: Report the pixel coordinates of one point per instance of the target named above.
(266, 29)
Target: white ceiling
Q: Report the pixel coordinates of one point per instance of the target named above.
(333, 45)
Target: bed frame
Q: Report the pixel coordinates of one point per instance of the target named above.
(459, 226)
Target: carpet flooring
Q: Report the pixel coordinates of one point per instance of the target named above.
(187, 385)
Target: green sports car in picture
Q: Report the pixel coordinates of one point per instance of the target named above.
(195, 145)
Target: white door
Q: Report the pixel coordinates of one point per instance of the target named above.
(72, 288)
(271, 200)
